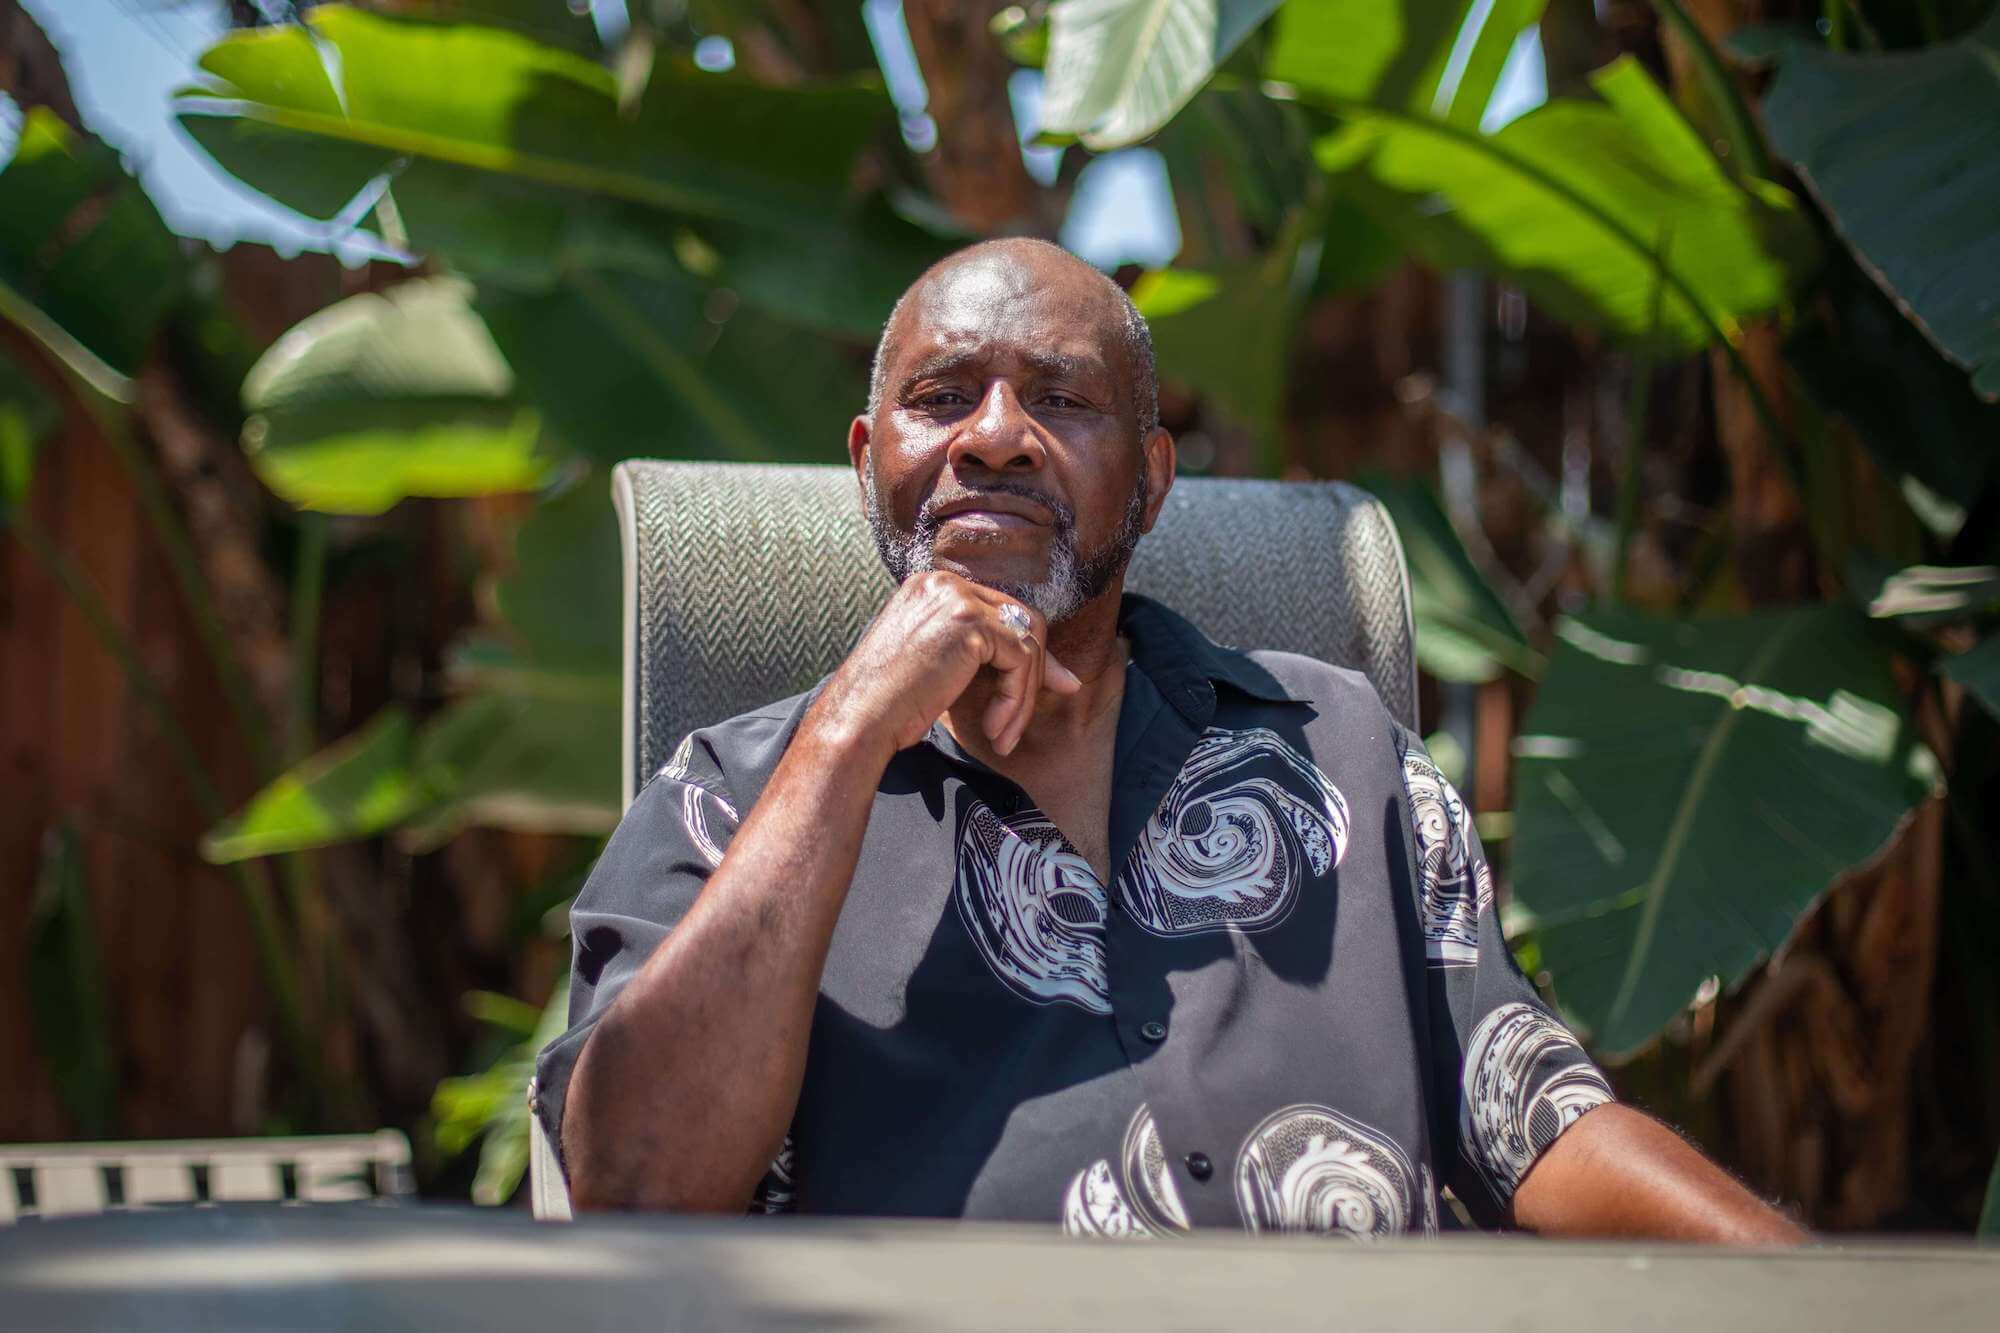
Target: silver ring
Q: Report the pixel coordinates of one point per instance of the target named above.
(1016, 619)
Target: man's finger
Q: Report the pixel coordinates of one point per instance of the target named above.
(1058, 677)
(1012, 658)
(1024, 712)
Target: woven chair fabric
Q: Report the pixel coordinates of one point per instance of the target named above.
(746, 583)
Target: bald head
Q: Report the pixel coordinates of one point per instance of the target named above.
(974, 288)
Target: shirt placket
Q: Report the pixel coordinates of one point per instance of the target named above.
(1168, 717)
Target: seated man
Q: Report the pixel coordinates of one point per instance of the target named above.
(1044, 907)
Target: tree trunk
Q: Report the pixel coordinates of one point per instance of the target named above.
(976, 168)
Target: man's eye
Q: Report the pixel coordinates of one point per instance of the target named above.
(943, 398)
(1060, 400)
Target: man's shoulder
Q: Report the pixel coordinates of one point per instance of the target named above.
(740, 749)
(1314, 680)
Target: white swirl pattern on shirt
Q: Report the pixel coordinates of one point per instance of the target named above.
(1148, 1204)
(1033, 907)
(1246, 820)
(694, 814)
(1311, 1169)
(1453, 886)
(1526, 1080)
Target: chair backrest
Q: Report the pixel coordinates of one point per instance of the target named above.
(59, 1179)
(745, 583)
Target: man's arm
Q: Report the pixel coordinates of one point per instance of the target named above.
(685, 1088)
(1618, 1173)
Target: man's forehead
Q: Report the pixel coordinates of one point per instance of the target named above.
(998, 304)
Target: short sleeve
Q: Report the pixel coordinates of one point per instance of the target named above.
(654, 866)
(1506, 1077)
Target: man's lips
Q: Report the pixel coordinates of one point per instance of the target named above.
(992, 519)
(993, 511)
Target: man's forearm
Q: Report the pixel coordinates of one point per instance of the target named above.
(1619, 1173)
(686, 1087)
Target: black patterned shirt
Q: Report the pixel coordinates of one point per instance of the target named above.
(1291, 1010)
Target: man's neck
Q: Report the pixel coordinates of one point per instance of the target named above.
(1088, 643)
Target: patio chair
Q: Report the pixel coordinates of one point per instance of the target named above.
(64, 1179)
(746, 583)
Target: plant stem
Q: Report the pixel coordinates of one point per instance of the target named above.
(300, 870)
(98, 616)
(308, 587)
(1746, 146)
(186, 568)
(279, 972)
(1834, 14)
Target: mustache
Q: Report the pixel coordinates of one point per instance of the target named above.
(1062, 516)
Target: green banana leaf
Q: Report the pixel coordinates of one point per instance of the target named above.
(491, 1107)
(1916, 412)
(514, 158)
(380, 397)
(73, 227)
(1464, 631)
(623, 364)
(1400, 55)
(1899, 150)
(1687, 791)
(1227, 333)
(530, 743)
(1593, 207)
(1117, 70)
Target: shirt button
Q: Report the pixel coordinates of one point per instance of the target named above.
(1153, 1030)
(1199, 1166)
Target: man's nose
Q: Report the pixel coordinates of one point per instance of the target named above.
(1000, 436)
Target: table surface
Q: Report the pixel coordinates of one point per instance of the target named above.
(369, 1266)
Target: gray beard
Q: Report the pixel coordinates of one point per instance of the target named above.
(1071, 581)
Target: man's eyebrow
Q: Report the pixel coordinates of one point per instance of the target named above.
(1065, 363)
(1046, 363)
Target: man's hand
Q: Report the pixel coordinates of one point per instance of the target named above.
(710, 1037)
(1618, 1173)
(937, 632)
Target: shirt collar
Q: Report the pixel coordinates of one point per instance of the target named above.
(1183, 664)
(1180, 659)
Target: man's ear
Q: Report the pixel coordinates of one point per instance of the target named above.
(860, 432)
(858, 439)
(1160, 455)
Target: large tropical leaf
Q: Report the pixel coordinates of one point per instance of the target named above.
(515, 157)
(86, 265)
(1117, 70)
(1227, 333)
(1464, 631)
(562, 25)
(380, 397)
(1918, 414)
(489, 1107)
(531, 742)
(1899, 149)
(623, 364)
(1687, 790)
(415, 392)
(1610, 212)
(1401, 55)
